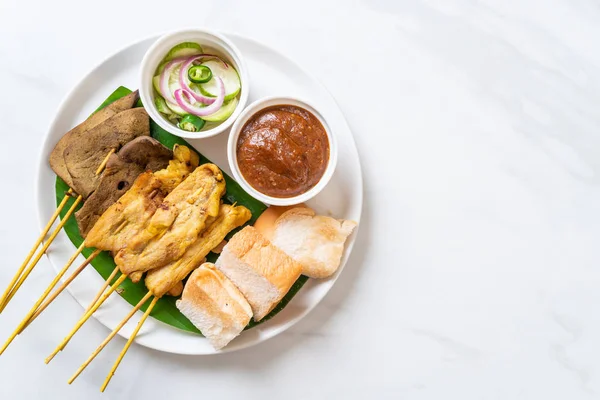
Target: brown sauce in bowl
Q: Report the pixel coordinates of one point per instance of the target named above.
(283, 151)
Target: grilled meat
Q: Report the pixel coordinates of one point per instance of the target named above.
(83, 157)
(177, 222)
(141, 154)
(128, 216)
(131, 213)
(57, 161)
(160, 280)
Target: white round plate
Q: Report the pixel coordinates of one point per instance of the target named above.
(271, 73)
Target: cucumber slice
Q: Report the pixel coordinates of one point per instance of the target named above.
(224, 112)
(156, 84)
(161, 105)
(185, 49)
(230, 78)
(176, 109)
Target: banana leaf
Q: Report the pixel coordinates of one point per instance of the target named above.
(165, 309)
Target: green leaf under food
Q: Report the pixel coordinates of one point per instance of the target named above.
(121, 91)
(165, 309)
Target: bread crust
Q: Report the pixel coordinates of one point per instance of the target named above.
(266, 259)
(214, 305)
(279, 271)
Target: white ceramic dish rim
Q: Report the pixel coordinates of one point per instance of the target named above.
(234, 134)
(157, 51)
(273, 331)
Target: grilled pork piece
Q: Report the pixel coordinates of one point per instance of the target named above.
(160, 280)
(128, 216)
(131, 213)
(177, 222)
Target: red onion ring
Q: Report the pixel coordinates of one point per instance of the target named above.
(182, 101)
(164, 79)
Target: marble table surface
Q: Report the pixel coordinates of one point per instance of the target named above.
(475, 275)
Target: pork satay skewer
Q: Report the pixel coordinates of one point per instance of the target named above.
(134, 208)
(170, 177)
(137, 204)
(58, 164)
(39, 307)
(22, 273)
(141, 189)
(29, 318)
(161, 280)
(118, 123)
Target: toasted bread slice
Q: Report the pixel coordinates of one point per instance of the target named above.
(214, 305)
(262, 272)
(315, 241)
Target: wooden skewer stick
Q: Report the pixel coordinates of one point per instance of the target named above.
(12, 288)
(103, 163)
(128, 344)
(40, 254)
(41, 299)
(86, 316)
(60, 289)
(104, 286)
(34, 248)
(109, 337)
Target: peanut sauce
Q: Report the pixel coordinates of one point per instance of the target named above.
(283, 151)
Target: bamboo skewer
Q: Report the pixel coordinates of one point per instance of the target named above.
(41, 299)
(109, 337)
(40, 254)
(104, 286)
(34, 248)
(105, 161)
(128, 344)
(85, 317)
(22, 273)
(58, 291)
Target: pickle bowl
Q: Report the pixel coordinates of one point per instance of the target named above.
(212, 43)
